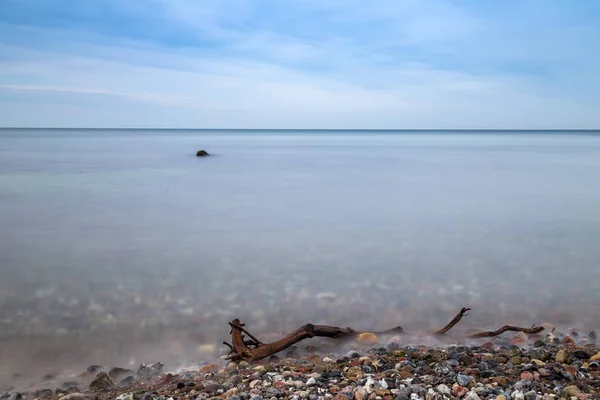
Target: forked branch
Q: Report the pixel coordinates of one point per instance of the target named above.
(253, 349)
(462, 313)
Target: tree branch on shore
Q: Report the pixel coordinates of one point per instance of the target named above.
(252, 349)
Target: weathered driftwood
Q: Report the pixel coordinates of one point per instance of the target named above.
(252, 349)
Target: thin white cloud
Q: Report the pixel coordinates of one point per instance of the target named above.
(143, 97)
(274, 78)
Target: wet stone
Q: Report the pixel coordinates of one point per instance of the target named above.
(92, 369)
(393, 346)
(214, 388)
(353, 354)
(462, 380)
(126, 382)
(150, 395)
(581, 355)
(459, 391)
(150, 370)
(43, 393)
(117, 373)
(531, 395)
(483, 366)
(454, 363)
(515, 360)
(78, 396)
(102, 381)
(369, 369)
(272, 392)
(561, 356)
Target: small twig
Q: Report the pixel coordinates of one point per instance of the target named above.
(240, 326)
(228, 345)
(462, 313)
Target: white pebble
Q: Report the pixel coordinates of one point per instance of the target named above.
(517, 395)
(443, 389)
(255, 383)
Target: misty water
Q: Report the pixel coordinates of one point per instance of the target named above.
(122, 247)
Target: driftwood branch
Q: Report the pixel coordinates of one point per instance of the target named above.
(253, 349)
(462, 313)
(506, 328)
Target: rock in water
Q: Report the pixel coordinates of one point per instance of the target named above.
(78, 396)
(117, 373)
(202, 153)
(102, 381)
(146, 371)
(367, 338)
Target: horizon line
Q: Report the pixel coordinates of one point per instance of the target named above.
(312, 129)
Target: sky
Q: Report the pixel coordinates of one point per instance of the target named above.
(300, 64)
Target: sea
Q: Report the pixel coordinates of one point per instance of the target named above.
(121, 246)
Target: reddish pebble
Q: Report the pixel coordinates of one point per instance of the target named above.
(314, 358)
(488, 345)
(367, 338)
(209, 368)
(571, 369)
(459, 391)
(527, 375)
(166, 379)
(340, 396)
(568, 340)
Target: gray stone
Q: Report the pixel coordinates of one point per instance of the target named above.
(78, 396)
(443, 389)
(353, 354)
(272, 392)
(462, 380)
(531, 395)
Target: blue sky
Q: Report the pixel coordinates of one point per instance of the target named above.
(407, 64)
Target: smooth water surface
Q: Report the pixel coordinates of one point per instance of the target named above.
(113, 231)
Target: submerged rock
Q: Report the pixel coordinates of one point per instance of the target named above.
(78, 396)
(150, 370)
(117, 373)
(102, 381)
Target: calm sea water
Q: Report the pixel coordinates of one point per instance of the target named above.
(117, 227)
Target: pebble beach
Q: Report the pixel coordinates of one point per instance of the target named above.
(549, 365)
